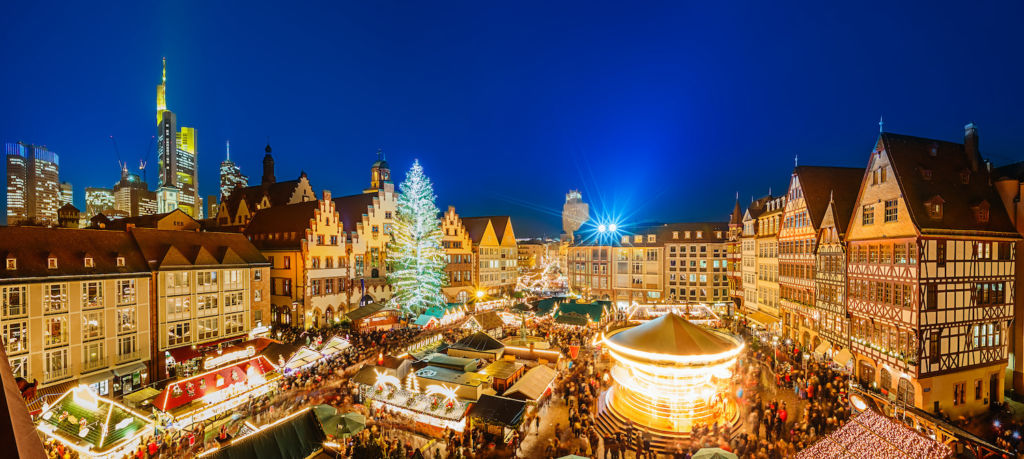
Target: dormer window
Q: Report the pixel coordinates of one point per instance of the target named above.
(51, 263)
(89, 262)
(926, 174)
(675, 235)
(700, 234)
(981, 212)
(12, 263)
(687, 234)
(120, 261)
(965, 177)
(625, 239)
(650, 238)
(934, 207)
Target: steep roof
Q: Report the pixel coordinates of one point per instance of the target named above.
(162, 247)
(910, 155)
(488, 320)
(844, 199)
(737, 215)
(817, 183)
(477, 227)
(671, 334)
(533, 384)
(32, 246)
(352, 208)
(278, 193)
(478, 341)
(758, 206)
(283, 219)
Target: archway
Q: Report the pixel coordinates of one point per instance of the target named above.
(374, 273)
(905, 391)
(329, 316)
(885, 379)
(805, 339)
(275, 318)
(316, 318)
(285, 315)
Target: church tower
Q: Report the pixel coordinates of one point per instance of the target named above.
(380, 173)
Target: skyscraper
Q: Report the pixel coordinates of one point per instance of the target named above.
(575, 212)
(179, 184)
(98, 200)
(132, 195)
(33, 185)
(230, 175)
(66, 193)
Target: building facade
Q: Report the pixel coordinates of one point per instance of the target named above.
(931, 275)
(178, 159)
(237, 208)
(495, 254)
(33, 184)
(458, 250)
(768, 225)
(77, 310)
(367, 220)
(696, 262)
(575, 212)
(231, 176)
(133, 197)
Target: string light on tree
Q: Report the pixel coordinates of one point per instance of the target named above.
(415, 253)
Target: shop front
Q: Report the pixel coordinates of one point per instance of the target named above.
(129, 379)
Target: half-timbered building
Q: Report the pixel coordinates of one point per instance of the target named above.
(830, 312)
(734, 255)
(931, 275)
(806, 202)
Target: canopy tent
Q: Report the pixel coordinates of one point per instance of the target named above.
(714, 453)
(304, 356)
(764, 319)
(335, 345)
(533, 385)
(842, 357)
(89, 423)
(296, 437)
(502, 411)
(822, 349)
(485, 321)
(572, 318)
(875, 435)
(141, 397)
(344, 425)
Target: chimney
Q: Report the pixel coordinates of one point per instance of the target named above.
(971, 145)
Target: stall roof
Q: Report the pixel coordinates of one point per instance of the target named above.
(335, 345)
(450, 376)
(501, 369)
(304, 356)
(498, 410)
(185, 391)
(489, 320)
(423, 320)
(109, 425)
(572, 318)
(447, 361)
(870, 431)
(297, 437)
(533, 384)
(367, 311)
(595, 310)
(478, 341)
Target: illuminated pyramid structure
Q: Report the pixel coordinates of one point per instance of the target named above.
(669, 375)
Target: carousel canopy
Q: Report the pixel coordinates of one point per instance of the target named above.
(673, 335)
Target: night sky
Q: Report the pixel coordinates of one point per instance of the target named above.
(657, 112)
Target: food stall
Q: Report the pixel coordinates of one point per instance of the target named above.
(301, 359)
(335, 345)
(94, 426)
(374, 316)
(207, 395)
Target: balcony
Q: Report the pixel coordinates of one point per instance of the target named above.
(92, 365)
(122, 358)
(55, 374)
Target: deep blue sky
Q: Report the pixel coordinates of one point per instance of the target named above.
(657, 111)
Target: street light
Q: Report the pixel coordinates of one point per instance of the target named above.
(602, 228)
(775, 361)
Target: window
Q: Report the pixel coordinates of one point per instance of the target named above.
(233, 279)
(650, 238)
(940, 252)
(55, 298)
(207, 328)
(179, 333)
(56, 364)
(89, 262)
(15, 336)
(320, 239)
(234, 301)
(12, 264)
(126, 319)
(14, 301)
(234, 323)
(56, 331)
(92, 325)
(257, 296)
(868, 215)
(120, 261)
(287, 262)
(93, 356)
(286, 287)
(675, 235)
(882, 173)
(19, 367)
(126, 291)
(257, 274)
(206, 305)
(51, 263)
(178, 283)
(958, 393)
(977, 389)
(206, 281)
(891, 211)
(179, 308)
(92, 294)
(933, 346)
(127, 348)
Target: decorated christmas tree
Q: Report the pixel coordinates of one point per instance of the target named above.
(415, 253)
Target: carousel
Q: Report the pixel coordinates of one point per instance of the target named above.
(670, 375)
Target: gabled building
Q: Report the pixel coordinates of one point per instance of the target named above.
(931, 275)
(748, 253)
(494, 253)
(366, 222)
(309, 273)
(237, 209)
(810, 188)
(734, 255)
(830, 322)
(458, 249)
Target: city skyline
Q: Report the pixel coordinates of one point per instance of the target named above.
(654, 107)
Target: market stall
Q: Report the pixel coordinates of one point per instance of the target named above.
(872, 435)
(334, 346)
(429, 407)
(204, 396)
(302, 358)
(94, 426)
(498, 415)
(373, 316)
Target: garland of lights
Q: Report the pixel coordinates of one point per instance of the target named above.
(870, 435)
(415, 254)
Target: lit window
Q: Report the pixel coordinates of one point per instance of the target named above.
(12, 264)
(51, 263)
(120, 261)
(89, 262)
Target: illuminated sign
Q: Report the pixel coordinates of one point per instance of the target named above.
(216, 361)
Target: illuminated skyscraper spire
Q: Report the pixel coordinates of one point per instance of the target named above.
(161, 95)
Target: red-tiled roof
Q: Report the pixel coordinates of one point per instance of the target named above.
(178, 248)
(819, 183)
(352, 208)
(284, 219)
(476, 227)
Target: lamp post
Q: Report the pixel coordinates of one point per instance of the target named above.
(775, 342)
